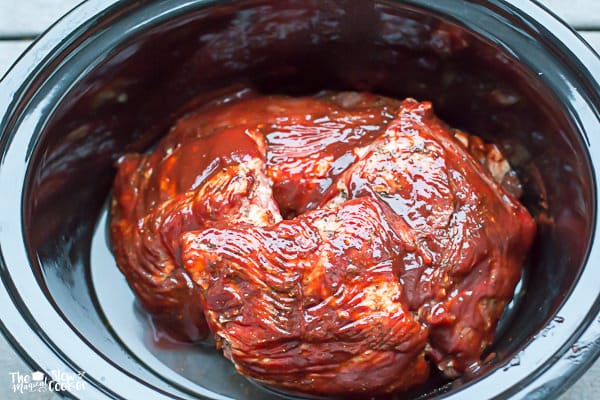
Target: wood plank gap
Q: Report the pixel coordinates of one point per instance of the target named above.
(6, 38)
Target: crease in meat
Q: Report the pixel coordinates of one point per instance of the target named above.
(337, 305)
(148, 247)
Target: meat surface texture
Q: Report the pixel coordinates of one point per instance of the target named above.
(149, 218)
(471, 236)
(319, 308)
(340, 244)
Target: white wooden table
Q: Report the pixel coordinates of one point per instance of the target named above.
(22, 20)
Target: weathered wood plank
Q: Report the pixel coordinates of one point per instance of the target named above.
(587, 388)
(9, 52)
(31, 17)
(19, 18)
(582, 14)
(593, 38)
(10, 362)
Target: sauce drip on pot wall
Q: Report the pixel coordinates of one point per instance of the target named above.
(331, 244)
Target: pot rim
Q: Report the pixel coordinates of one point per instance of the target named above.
(548, 375)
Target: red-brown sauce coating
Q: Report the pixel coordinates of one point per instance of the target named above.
(330, 244)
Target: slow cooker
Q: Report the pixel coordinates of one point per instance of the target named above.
(110, 78)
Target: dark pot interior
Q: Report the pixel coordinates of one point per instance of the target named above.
(117, 82)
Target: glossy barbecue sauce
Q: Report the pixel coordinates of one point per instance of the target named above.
(356, 233)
